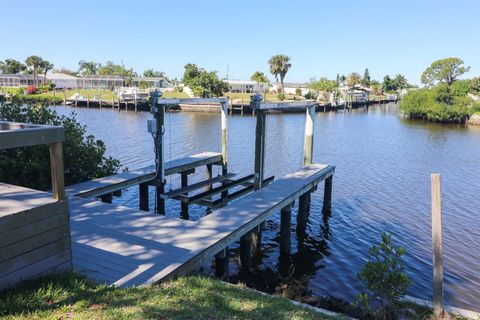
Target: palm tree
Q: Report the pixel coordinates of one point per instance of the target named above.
(259, 77)
(88, 67)
(353, 79)
(279, 65)
(46, 66)
(34, 62)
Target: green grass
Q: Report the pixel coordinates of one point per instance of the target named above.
(69, 296)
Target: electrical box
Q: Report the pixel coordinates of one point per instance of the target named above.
(152, 126)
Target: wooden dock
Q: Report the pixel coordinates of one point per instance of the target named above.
(123, 246)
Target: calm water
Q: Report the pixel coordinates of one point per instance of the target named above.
(382, 183)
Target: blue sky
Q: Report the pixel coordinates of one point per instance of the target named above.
(321, 37)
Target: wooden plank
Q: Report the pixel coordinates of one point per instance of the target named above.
(34, 256)
(32, 229)
(198, 185)
(215, 190)
(57, 262)
(98, 187)
(288, 105)
(437, 245)
(20, 247)
(15, 200)
(232, 196)
(14, 135)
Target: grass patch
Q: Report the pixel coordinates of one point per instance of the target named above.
(70, 296)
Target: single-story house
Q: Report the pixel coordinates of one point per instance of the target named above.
(290, 88)
(246, 86)
(153, 82)
(62, 80)
(356, 93)
(101, 82)
(18, 80)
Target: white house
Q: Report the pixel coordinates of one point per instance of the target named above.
(246, 86)
(357, 93)
(290, 88)
(62, 80)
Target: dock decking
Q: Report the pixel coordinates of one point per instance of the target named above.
(101, 186)
(123, 246)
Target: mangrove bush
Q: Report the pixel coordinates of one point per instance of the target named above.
(84, 156)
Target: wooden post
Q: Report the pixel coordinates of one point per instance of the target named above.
(437, 245)
(208, 176)
(143, 191)
(184, 205)
(159, 114)
(327, 195)
(107, 198)
(57, 168)
(256, 238)
(303, 211)
(224, 111)
(308, 141)
(246, 251)
(259, 141)
(221, 264)
(285, 230)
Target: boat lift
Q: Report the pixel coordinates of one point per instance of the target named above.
(226, 180)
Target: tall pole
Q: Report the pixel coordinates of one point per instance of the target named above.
(255, 102)
(224, 134)
(159, 114)
(308, 141)
(437, 245)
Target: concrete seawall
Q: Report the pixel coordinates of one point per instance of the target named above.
(474, 119)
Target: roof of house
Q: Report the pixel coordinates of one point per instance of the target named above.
(60, 76)
(291, 84)
(103, 77)
(149, 79)
(16, 76)
(240, 82)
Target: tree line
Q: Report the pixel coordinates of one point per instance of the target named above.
(36, 65)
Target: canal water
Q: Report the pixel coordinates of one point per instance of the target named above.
(382, 183)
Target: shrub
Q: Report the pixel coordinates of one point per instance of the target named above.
(310, 95)
(20, 90)
(31, 90)
(460, 88)
(281, 96)
(383, 277)
(437, 104)
(475, 86)
(84, 157)
(298, 92)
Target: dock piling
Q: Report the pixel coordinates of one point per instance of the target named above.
(246, 251)
(308, 141)
(285, 230)
(437, 245)
(143, 191)
(221, 265)
(184, 205)
(327, 195)
(255, 102)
